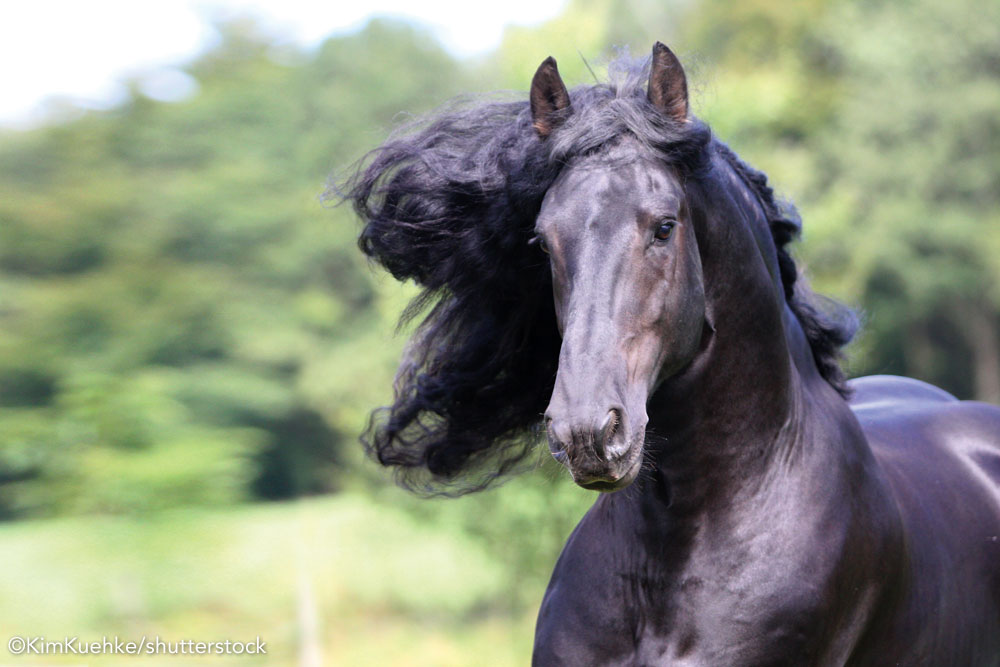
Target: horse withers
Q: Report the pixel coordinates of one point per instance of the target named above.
(602, 271)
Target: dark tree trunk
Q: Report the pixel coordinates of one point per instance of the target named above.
(983, 335)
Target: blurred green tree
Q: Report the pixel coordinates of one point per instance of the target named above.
(907, 188)
(180, 320)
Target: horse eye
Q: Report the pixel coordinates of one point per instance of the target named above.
(540, 240)
(664, 230)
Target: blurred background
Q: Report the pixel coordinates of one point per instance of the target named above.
(190, 342)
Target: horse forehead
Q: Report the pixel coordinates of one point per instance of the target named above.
(591, 189)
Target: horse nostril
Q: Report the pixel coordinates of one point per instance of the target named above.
(608, 429)
(559, 434)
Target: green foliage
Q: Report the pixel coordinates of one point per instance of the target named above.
(182, 321)
(907, 184)
(583, 36)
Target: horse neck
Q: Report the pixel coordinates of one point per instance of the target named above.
(743, 407)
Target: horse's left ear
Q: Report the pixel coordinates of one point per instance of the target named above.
(668, 90)
(549, 98)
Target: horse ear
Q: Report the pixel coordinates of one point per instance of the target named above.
(549, 98)
(668, 89)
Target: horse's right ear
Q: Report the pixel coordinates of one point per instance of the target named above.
(549, 98)
(667, 84)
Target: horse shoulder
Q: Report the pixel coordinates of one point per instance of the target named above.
(584, 616)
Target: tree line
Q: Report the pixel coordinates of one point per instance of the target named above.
(183, 322)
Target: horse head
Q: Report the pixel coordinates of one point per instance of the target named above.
(627, 281)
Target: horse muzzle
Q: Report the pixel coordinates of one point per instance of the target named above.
(603, 453)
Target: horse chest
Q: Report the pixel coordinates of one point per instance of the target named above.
(746, 617)
(697, 627)
(696, 607)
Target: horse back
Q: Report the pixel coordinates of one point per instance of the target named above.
(914, 427)
(941, 457)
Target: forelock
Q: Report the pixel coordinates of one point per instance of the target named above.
(604, 113)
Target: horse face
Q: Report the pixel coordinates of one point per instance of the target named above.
(630, 303)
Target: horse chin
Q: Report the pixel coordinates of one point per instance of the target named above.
(612, 481)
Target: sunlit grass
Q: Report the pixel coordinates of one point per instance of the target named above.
(342, 579)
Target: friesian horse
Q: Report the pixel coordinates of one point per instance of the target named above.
(600, 271)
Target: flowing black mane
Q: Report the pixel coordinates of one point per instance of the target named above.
(451, 203)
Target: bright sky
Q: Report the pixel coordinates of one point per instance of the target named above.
(80, 50)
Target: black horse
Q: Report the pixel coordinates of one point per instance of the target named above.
(758, 508)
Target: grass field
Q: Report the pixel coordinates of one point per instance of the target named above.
(334, 581)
